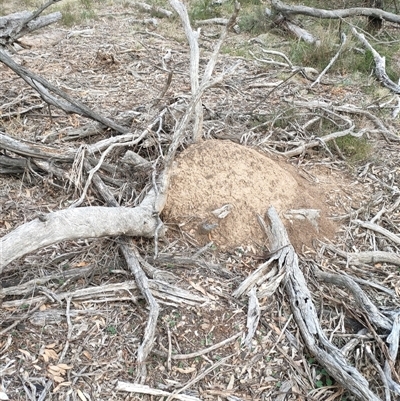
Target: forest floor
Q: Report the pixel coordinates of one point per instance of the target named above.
(78, 346)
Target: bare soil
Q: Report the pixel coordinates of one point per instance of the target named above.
(214, 173)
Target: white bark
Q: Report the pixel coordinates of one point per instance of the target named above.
(73, 224)
(192, 37)
(380, 64)
(334, 14)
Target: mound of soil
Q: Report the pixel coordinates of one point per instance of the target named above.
(211, 174)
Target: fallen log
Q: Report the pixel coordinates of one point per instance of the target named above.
(73, 224)
(14, 26)
(63, 101)
(288, 10)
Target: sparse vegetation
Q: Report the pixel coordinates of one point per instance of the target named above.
(254, 20)
(355, 149)
(237, 50)
(111, 330)
(76, 12)
(204, 9)
(319, 55)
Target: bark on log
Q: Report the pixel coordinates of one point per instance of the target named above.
(295, 30)
(35, 150)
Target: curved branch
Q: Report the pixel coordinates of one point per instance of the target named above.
(73, 224)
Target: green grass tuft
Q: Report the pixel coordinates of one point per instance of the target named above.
(204, 9)
(254, 21)
(356, 150)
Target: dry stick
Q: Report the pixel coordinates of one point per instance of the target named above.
(165, 89)
(204, 351)
(194, 59)
(280, 335)
(304, 312)
(390, 367)
(70, 328)
(98, 166)
(350, 110)
(359, 296)
(165, 293)
(70, 106)
(380, 63)
(169, 365)
(212, 21)
(213, 60)
(29, 286)
(343, 39)
(34, 309)
(153, 9)
(368, 257)
(20, 112)
(375, 227)
(199, 377)
(24, 317)
(317, 142)
(385, 132)
(140, 278)
(271, 61)
(393, 341)
(152, 272)
(380, 371)
(143, 284)
(143, 389)
(39, 151)
(192, 38)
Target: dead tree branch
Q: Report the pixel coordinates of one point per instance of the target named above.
(72, 224)
(16, 25)
(380, 64)
(288, 10)
(304, 312)
(192, 37)
(64, 102)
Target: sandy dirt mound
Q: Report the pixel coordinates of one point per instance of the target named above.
(211, 174)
